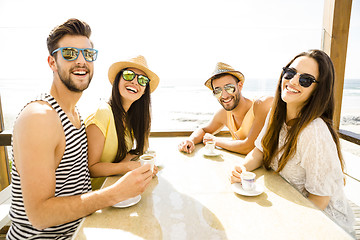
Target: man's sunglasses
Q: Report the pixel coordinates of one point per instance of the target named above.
(305, 80)
(129, 75)
(72, 53)
(229, 88)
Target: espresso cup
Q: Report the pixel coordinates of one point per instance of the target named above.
(248, 180)
(151, 152)
(210, 146)
(148, 159)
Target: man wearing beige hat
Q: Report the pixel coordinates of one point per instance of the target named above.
(242, 116)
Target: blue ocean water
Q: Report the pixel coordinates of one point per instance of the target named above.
(352, 87)
(176, 105)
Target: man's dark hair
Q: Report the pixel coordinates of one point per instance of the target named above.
(72, 27)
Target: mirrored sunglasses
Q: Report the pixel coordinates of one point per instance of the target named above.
(72, 53)
(129, 75)
(305, 79)
(229, 88)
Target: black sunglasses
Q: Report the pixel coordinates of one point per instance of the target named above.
(129, 75)
(229, 88)
(305, 79)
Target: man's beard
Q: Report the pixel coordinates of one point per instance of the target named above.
(66, 80)
(236, 99)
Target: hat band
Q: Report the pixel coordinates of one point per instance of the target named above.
(222, 71)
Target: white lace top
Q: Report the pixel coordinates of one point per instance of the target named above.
(315, 168)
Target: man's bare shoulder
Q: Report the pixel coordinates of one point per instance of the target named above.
(37, 116)
(220, 115)
(262, 105)
(37, 110)
(263, 99)
(216, 123)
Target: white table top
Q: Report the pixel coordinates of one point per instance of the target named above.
(192, 198)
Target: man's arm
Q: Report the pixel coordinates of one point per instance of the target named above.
(212, 127)
(39, 143)
(261, 109)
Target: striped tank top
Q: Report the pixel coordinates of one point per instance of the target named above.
(72, 178)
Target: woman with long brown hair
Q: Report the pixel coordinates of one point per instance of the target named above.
(298, 139)
(119, 130)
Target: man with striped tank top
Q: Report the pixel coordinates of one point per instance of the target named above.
(51, 188)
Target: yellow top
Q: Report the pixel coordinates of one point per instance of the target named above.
(103, 118)
(241, 132)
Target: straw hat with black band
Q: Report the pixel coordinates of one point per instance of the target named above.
(138, 62)
(224, 68)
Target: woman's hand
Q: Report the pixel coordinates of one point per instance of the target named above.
(252, 161)
(235, 174)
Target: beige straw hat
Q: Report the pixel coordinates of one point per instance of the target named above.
(138, 62)
(224, 68)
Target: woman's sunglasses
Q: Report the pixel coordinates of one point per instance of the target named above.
(72, 53)
(129, 75)
(305, 80)
(229, 88)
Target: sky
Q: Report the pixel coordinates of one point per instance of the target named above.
(181, 40)
(178, 38)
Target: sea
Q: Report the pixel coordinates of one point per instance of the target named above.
(176, 105)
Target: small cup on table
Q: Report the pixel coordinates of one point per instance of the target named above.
(248, 180)
(148, 159)
(210, 147)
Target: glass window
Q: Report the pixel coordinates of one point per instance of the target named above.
(350, 109)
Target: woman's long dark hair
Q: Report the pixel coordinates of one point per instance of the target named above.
(137, 119)
(320, 104)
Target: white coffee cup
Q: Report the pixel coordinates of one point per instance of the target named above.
(210, 146)
(248, 180)
(148, 159)
(151, 152)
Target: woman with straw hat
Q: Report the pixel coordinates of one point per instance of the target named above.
(124, 119)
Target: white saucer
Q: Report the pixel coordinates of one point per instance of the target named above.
(236, 187)
(209, 154)
(128, 202)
